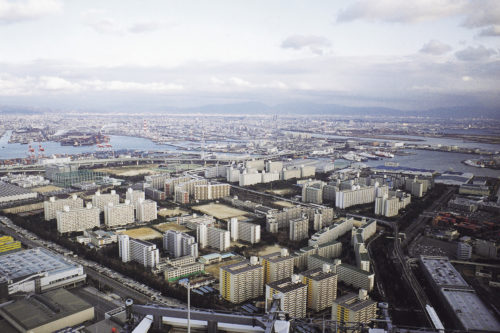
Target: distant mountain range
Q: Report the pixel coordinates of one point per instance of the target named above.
(255, 108)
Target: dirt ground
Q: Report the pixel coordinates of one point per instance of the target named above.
(47, 188)
(280, 192)
(283, 203)
(164, 212)
(269, 249)
(144, 233)
(213, 269)
(220, 211)
(24, 208)
(171, 226)
(131, 170)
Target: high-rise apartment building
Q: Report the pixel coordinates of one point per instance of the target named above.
(277, 266)
(179, 244)
(353, 307)
(293, 295)
(246, 231)
(134, 196)
(299, 229)
(77, 219)
(53, 205)
(101, 200)
(321, 287)
(241, 281)
(137, 250)
(218, 238)
(120, 214)
(146, 210)
(211, 191)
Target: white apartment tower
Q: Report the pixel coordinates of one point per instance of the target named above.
(180, 244)
(146, 210)
(143, 252)
(77, 219)
(100, 200)
(120, 214)
(53, 205)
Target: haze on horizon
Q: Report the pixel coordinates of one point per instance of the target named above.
(141, 56)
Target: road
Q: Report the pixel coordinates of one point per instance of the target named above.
(120, 283)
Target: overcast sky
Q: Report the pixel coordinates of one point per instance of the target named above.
(415, 54)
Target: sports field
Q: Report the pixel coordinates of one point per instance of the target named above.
(220, 211)
(144, 233)
(46, 188)
(165, 212)
(283, 203)
(214, 268)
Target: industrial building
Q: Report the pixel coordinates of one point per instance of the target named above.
(277, 266)
(241, 281)
(294, 295)
(137, 250)
(459, 299)
(51, 311)
(354, 308)
(37, 270)
(77, 219)
(321, 287)
(53, 205)
(9, 192)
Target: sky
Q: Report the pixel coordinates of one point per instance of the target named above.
(154, 54)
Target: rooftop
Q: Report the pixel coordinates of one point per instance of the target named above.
(317, 274)
(286, 285)
(442, 271)
(240, 267)
(39, 310)
(470, 310)
(9, 189)
(27, 262)
(352, 302)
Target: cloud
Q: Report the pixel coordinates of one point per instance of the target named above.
(482, 13)
(316, 44)
(146, 26)
(236, 82)
(435, 47)
(493, 31)
(101, 22)
(400, 11)
(475, 53)
(12, 12)
(21, 86)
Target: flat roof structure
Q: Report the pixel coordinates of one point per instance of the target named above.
(460, 299)
(50, 311)
(240, 267)
(352, 302)
(17, 265)
(442, 272)
(286, 285)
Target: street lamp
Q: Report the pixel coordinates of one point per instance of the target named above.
(185, 283)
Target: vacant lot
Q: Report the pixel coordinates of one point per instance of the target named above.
(220, 211)
(281, 191)
(47, 188)
(165, 212)
(267, 250)
(144, 233)
(171, 226)
(214, 268)
(283, 203)
(24, 208)
(131, 170)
